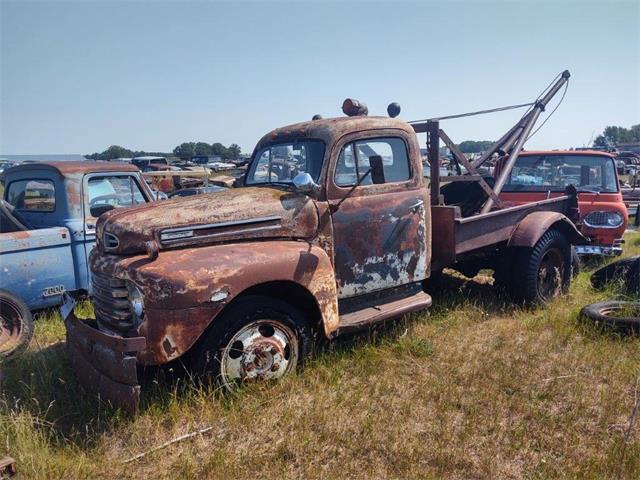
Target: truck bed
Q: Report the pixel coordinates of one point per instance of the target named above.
(454, 235)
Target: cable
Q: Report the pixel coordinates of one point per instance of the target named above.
(499, 109)
(566, 86)
(479, 112)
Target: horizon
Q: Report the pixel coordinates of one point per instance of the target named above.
(79, 77)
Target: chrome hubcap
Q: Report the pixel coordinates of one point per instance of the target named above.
(262, 350)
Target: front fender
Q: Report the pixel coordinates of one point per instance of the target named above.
(184, 290)
(533, 226)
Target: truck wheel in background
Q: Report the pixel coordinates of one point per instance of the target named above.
(575, 262)
(256, 339)
(623, 317)
(16, 326)
(544, 271)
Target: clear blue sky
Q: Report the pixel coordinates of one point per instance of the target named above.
(78, 77)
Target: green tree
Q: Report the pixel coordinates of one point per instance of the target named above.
(185, 150)
(219, 149)
(113, 152)
(234, 151)
(202, 148)
(613, 135)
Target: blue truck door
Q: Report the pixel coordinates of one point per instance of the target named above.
(35, 265)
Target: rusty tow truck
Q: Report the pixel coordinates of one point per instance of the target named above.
(333, 229)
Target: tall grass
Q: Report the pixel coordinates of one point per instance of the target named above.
(476, 388)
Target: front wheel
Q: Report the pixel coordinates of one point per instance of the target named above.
(16, 326)
(544, 271)
(257, 339)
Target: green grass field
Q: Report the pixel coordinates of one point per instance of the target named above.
(477, 389)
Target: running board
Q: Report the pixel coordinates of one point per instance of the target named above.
(378, 313)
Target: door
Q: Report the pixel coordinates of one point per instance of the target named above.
(380, 230)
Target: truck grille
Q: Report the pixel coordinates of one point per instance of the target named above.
(110, 303)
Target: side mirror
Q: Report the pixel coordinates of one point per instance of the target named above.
(377, 169)
(98, 210)
(305, 184)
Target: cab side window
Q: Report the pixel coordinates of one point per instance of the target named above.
(353, 162)
(32, 195)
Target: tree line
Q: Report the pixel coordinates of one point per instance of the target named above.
(612, 136)
(184, 150)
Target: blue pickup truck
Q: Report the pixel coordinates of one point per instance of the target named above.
(47, 229)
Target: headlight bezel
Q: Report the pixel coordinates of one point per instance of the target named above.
(609, 215)
(136, 302)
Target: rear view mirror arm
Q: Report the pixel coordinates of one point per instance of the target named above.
(348, 194)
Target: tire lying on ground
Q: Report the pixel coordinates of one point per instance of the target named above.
(623, 317)
(625, 271)
(16, 326)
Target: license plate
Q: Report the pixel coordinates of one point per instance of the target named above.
(67, 306)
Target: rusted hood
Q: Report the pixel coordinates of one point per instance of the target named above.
(235, 214)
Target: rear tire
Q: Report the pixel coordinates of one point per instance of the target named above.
(256, 339)
(575, 262)
(544, 271)
(16, 326)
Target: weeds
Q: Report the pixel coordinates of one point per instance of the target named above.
(478, 388)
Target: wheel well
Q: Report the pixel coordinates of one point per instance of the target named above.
(290, 292)
(568, 230)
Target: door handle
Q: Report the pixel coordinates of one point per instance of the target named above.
(415, 208)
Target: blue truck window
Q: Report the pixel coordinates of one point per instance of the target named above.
(32, 195)
(119, 191)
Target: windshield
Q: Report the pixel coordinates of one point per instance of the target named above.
(552, 173)
(280, 163)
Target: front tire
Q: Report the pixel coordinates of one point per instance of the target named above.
(544, 271)
(16, 326)
(257, 339)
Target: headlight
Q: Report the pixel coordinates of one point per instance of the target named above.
(136, 303)
(604, 219)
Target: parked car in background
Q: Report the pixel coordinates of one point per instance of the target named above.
(628, 162)
(219, 166)
(48, 221)
(546, 174)
(150, 163)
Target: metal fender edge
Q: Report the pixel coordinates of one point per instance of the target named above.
(533, 226)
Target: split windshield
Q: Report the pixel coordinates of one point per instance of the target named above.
(280, 163)
(552, 173)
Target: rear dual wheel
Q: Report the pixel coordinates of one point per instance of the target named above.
(543, 272)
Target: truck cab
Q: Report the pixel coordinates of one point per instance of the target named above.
(539, 175)
(48, 227)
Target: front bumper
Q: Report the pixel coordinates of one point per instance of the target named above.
(600, 250)
(105, 364)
